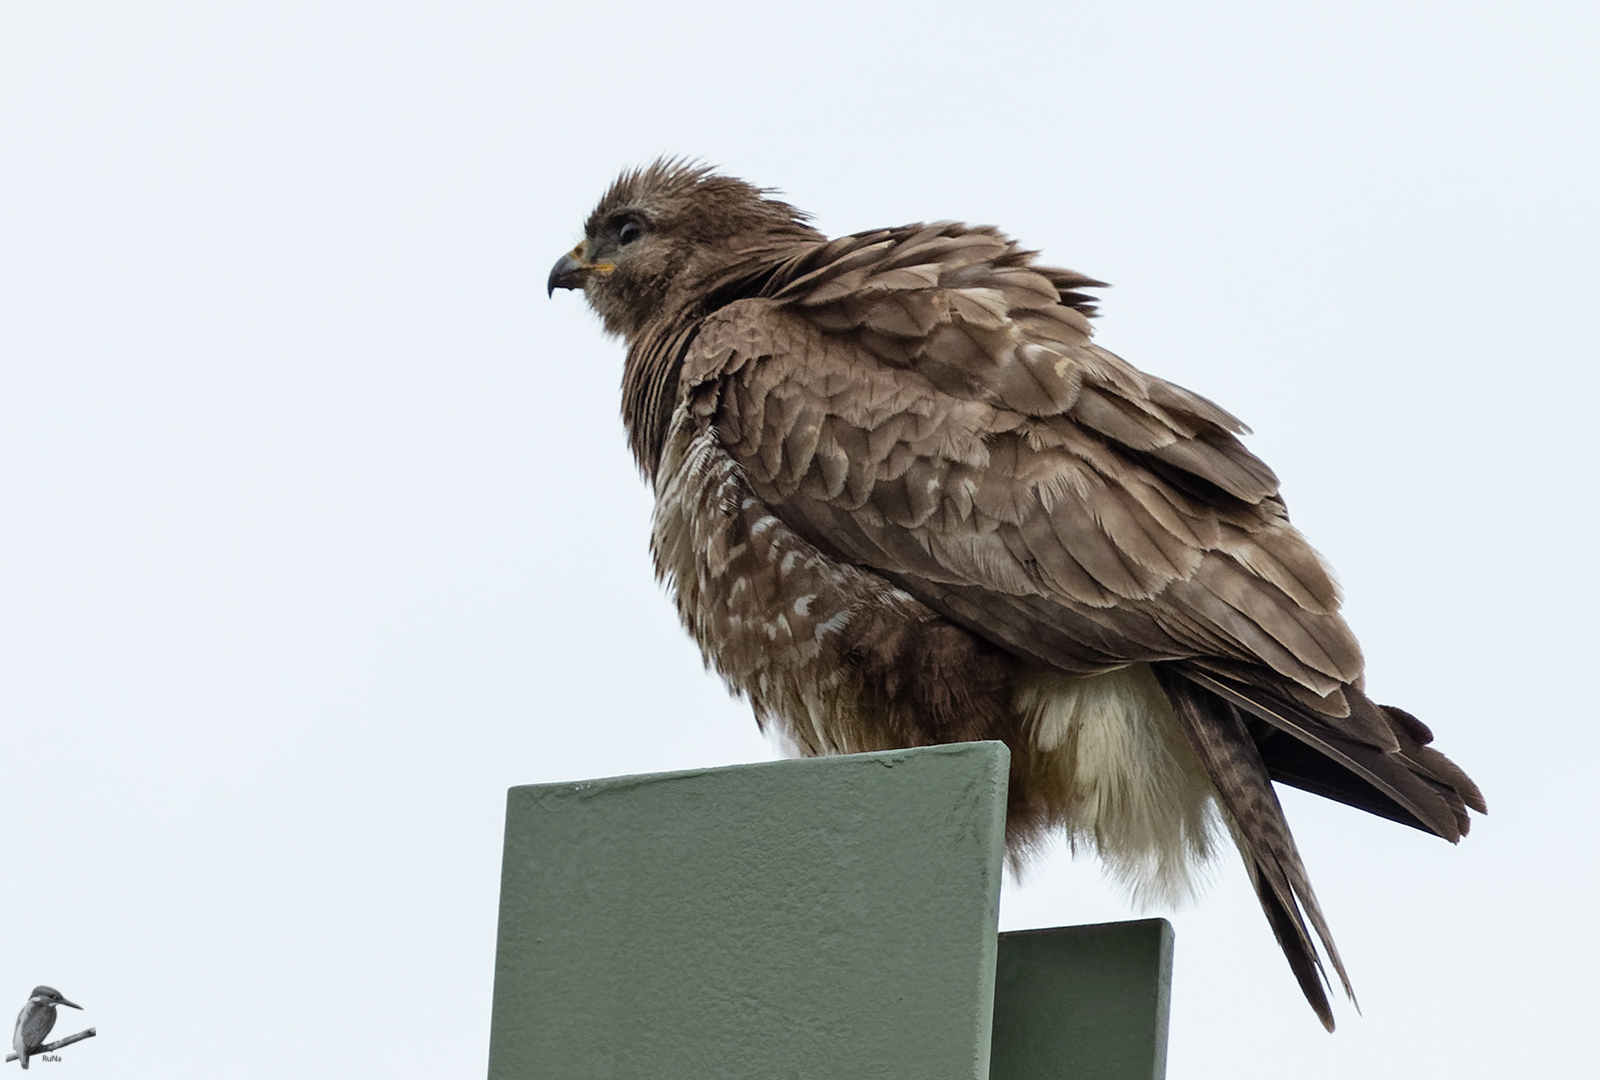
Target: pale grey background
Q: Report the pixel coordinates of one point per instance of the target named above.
(318, 531)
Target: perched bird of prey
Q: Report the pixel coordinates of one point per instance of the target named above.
(902, 498)
(35, 1020)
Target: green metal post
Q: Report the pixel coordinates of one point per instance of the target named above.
(1083, 1002)
(831, 918)
(826, 919)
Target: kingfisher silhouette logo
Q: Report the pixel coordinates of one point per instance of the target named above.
(34, 1022)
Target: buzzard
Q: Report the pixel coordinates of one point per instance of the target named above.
(902, 498)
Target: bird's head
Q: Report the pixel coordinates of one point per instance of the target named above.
(49, 995)
(662, 233)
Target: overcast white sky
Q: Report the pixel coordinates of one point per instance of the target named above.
(317, 529)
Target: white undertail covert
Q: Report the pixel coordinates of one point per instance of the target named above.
(1131, 788)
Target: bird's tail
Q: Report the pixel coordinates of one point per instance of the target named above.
(1219, 737)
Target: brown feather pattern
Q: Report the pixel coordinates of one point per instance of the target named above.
(1244, 789)
(903, 498)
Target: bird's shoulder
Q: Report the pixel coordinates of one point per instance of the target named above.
(949, 311)
(934, 340)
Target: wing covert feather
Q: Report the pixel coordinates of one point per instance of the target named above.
(923, 407)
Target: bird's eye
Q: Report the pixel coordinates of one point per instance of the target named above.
(629, 232)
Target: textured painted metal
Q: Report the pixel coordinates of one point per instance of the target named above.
(1083, 1002)
(831, 918)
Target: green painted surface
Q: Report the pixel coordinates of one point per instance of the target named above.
(831, 918)
(1083, 1002)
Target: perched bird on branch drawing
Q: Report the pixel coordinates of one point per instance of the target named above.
(902, 498)
(35, 1022)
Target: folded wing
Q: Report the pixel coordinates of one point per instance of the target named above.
(927, 403)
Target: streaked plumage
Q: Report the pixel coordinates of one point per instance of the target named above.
(35, 1021)
(902, 498)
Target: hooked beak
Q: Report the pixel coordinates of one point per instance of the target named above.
(566, 274)
(570, 271)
